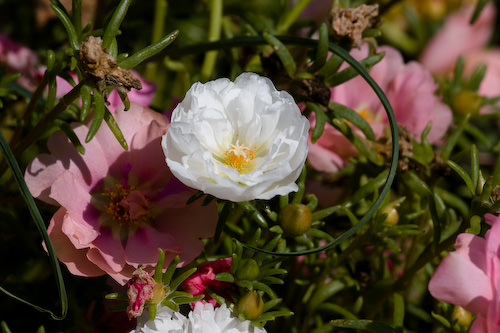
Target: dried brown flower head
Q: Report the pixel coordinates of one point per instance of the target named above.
(351, 22)
(95, 63)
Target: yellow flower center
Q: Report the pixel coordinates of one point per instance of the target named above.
(366, 114)
(239, 156)
(127, 205)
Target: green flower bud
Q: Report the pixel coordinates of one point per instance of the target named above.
(158, 294)
(248, 270)
(295, 219)
(466, 102)
(251, 305)
(392, 215)
(461, 316)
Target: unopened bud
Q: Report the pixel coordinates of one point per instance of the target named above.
(461, 316)
(295, 219)
(251, 305)
(392, 215)
(248, 269)
(467, 101)
(158, 294)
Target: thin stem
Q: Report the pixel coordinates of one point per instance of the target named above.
(292, 16)
(31, 107)
(157, 33)
(153, 70)
(213, 35)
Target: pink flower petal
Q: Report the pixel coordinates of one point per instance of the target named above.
(68, 187)
(75, 259)
(142, 246)
(80, 234)
(443, 49)
(461, 278)
(146, 146)
(108, 252)
(89, 173)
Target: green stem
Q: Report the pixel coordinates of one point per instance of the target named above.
(35, 214)
(213, 35)
(157, 33)
(292, 16)
(30, 108)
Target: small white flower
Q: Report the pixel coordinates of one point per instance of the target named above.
(166, 320)
(203, 319)
(238, 140)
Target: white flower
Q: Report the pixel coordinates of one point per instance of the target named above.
(166, 320)
(238, 140)
(203, 319)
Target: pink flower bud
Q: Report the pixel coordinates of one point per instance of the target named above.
(139, 291)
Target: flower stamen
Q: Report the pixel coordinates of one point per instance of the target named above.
(127, 205)
(239, 156)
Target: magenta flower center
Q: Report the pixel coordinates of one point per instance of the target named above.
(127, 205)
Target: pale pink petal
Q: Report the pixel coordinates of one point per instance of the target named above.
(324, 159)
(80, 234)
(479, 325)
(441, 121)
(188, 223)
(457, 37)
(75, 259)
(492, 249)
(142, 246)
(490, 85)
(146, 146)
(65, 189)
(330, 152)
(89, 173)
(130, 122)
(492, 321)
(40, 174)
(107, 252)
(461, 278)
(412, 96)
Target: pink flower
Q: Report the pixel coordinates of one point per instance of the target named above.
(19, 59)
(442, 52)
(410, 89)
(142, 97)
(490, 85)
(457, 37)
(117, 207)
(139, 290)
(204, 278)
(469, 277)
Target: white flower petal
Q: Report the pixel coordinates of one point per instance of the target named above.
(238, 140)
(203, 319)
